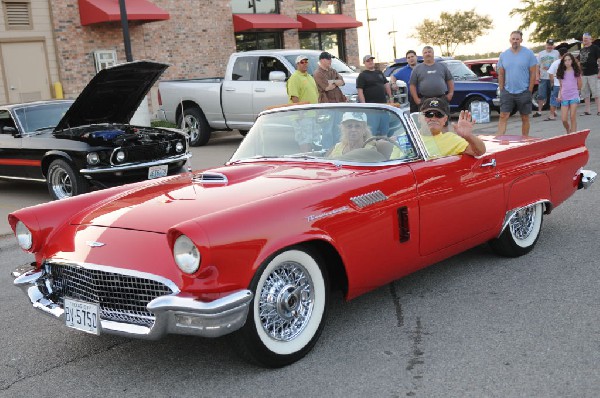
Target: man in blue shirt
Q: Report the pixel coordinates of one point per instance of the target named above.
(404, 75)
(517, 68)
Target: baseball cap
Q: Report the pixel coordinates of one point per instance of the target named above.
(586, 34)
(438, 104)
(367, 57)
(359, 116)
(301, 57)
(325, 55)
(550, 41)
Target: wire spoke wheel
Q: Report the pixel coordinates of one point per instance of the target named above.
(286, 301)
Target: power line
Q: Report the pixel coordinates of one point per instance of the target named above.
(400, 5)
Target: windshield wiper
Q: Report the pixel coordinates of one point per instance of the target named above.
(43, 128)
(299, 156)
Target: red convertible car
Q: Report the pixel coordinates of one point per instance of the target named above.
(255, 247)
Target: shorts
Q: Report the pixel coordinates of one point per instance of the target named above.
(522, 102)
(589, 85)
(553, 101)
(543, 89)
(569, 102)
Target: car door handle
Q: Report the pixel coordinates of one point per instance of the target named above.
(491, 163)
(260, 90)
(229, 89)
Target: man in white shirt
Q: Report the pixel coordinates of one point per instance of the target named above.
(545, 59)
(554, 102)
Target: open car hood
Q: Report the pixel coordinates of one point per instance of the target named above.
(113, 95)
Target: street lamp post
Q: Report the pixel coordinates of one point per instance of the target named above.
(125, 25)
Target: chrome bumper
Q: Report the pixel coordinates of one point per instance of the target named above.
(587, 178)
(496, 102)
(135, 166)
(173, 314)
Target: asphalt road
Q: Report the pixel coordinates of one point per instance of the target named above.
(475, 325)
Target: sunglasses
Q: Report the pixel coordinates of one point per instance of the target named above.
(303, 62)
(432, 114)
(353, 125)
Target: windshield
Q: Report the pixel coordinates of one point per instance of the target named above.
(41, 116)
(460, 71)
(313, 63)
(351, 134)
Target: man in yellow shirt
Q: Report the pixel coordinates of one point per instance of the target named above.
(438, 142)
(301, 86)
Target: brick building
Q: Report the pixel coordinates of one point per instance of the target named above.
(45, 42)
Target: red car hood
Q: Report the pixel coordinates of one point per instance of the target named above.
(156, 207)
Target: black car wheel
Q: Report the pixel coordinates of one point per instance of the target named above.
(195, 125)
(63, 181)
(287, 313)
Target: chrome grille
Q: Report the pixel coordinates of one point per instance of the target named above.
(147, 152)
(122, 298)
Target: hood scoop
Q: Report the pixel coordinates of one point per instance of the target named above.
(210, 178)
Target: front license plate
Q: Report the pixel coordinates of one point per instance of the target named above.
(157, 171)
(82, 315)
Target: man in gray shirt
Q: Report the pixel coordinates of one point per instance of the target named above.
(430, 79)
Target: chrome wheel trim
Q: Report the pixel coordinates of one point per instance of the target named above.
(311, 325)
(191, 124)
(61, 183)
(286, 301)
(525, 225)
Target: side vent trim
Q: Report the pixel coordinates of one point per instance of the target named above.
(368, 199)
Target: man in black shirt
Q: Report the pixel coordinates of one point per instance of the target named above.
(589, 56)
(373, 86)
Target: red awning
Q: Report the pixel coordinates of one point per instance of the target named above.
(327, 22)
(245, 22)
(96, 11)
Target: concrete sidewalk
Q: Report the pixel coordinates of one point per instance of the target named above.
(34, 192)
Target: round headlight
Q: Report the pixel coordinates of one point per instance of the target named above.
(120, 156)
(186, 254)
(93, 158)
(24, 236)
(179, 146)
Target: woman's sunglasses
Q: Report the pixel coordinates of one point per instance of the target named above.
(432, 114)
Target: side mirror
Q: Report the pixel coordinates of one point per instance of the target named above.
(277, 76)
(9, 130)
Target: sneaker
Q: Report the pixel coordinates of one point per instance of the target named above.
(537, 114)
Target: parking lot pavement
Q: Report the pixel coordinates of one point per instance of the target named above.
(15, 195)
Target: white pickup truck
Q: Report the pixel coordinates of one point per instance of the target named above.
(254, 81)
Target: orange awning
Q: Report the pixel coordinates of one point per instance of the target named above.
(96, 11)
(245, 22)
(327, 22)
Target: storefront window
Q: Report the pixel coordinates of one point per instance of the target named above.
(254, 6)
(247, 41)
(325, 41)
(318, 7)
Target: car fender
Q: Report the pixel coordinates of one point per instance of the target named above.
(50, 156)
(529, 189)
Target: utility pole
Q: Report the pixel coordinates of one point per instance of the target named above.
(125, 25)
(369, 26)
(393, 32)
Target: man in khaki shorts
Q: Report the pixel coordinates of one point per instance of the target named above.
(589, 56)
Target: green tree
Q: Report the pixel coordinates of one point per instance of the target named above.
(560, 19)
(462, 27)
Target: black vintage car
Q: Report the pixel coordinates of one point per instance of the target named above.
(86, 143)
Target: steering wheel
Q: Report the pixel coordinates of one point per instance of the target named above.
(382, 145)
(381, 138)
